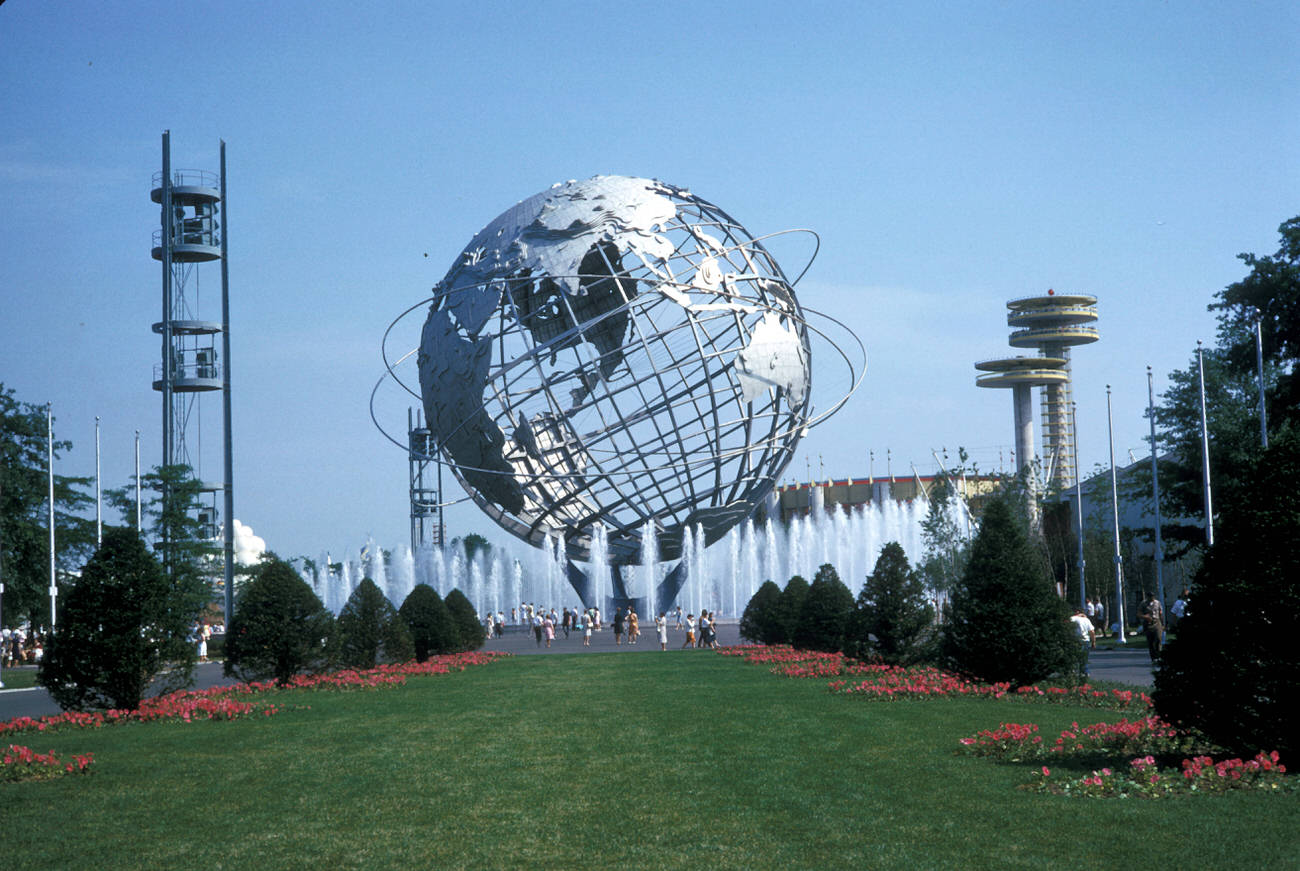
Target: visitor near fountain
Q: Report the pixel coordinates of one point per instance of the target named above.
(661, 627)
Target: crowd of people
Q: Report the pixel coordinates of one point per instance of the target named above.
(546, 624)
(21, 647)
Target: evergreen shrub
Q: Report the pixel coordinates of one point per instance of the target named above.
(279, 628)
(761, 621)
(1004, 621)
(122, 626)
(1231, 670)
(433, 631)
(824, 613)
(371, 631)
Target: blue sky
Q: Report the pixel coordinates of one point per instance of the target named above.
(951, 156)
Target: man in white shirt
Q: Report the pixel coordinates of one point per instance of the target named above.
(1083, 626)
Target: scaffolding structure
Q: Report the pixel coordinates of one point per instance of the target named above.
(427, 527)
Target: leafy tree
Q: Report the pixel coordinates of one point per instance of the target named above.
(760, 622)
(279, 628)
(1271, 288)
(892, 619)
(371, 631)
(824, 613)
(24, 513)
(123, 626)
(1231, 670)
(788, 608)
(433, 631)
(473, 544)
(1231, 396)
(947, 547)
(1004, 621)
(468, 628)
(182, 543)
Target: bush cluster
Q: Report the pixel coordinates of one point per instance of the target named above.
(1005, 622)
(281, 629)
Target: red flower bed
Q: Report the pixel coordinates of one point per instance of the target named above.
(893, 683)
(227, 703)
(1144, 779)
(24, 763)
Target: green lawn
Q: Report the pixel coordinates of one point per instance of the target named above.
(608, 761)
(18, 678)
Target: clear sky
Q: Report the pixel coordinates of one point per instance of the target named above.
(951, 156)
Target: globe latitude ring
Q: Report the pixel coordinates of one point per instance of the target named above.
(618, 353)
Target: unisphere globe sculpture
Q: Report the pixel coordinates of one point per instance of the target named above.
(613, 356)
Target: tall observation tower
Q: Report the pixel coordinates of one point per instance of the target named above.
(1051, 324)
(195, 328)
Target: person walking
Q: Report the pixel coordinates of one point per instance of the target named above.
(661, 627)
(1083, 626)
(548, 628)
(537, 628)
(1152, 616)
(679, 617)
(586, 631)
(633, 626)
(690, 631)
(618, 626)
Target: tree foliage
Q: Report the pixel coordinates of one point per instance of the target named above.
(788, 608)
(468, 628)
(947, 547)
(371, 631)
(122, 626)
(892, 620)
(1271, 288)
(824, 613)
(279, 628)
(1004, 620)
(433, 631)
(761, 622)
(24, 512)
(1231, 670)
(172, 498)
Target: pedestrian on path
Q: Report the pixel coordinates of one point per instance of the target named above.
(1086, 634)
(661, 627)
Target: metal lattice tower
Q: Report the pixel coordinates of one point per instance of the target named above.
(427, 526)
(189, 243)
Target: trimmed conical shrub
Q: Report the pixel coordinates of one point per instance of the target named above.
(824, 613)
(788, 608)
(892, 620)
(468, 628)
(280, 627)
(761, 622)
(371, 631)
(121, 625)
(433, 630)
(1005, 621)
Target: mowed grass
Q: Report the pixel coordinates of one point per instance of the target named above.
(684, 760)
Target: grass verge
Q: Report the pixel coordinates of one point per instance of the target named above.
(600, 761)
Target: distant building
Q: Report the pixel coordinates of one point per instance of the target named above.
(845, 494)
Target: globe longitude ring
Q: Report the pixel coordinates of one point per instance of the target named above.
(614, 353)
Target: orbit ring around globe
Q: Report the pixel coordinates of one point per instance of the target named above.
(614, 359)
